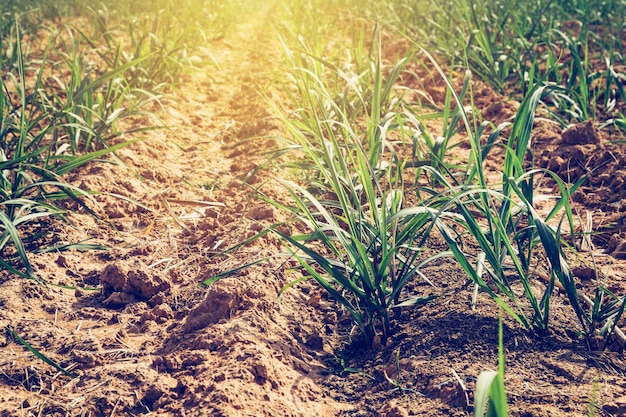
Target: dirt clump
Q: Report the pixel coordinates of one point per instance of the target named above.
(580, 134)
(218, 305)
(123, 284)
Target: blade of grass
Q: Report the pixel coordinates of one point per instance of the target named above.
(38, 354)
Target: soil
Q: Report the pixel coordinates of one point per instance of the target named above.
(143, 337)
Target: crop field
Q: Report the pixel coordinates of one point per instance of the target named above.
(313, 208)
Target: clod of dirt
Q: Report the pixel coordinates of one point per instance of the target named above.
(218, 305)
(122, 286)
(259, 370)
(620, 251)
(160, 313)
(580, 134)
(585, 273)
(392, 410)
(63, 262)
(618, 408)
(152, 395)
(615, 241)
(315, 341)
(260, 213)
(449, 391)
(86, 359)
(180, 361)
(119, 299)
(500, 110)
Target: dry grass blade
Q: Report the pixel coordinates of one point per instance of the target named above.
(195, 203)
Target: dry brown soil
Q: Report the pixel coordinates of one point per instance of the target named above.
(143, 337)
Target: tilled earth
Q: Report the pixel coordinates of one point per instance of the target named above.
(142, 336)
